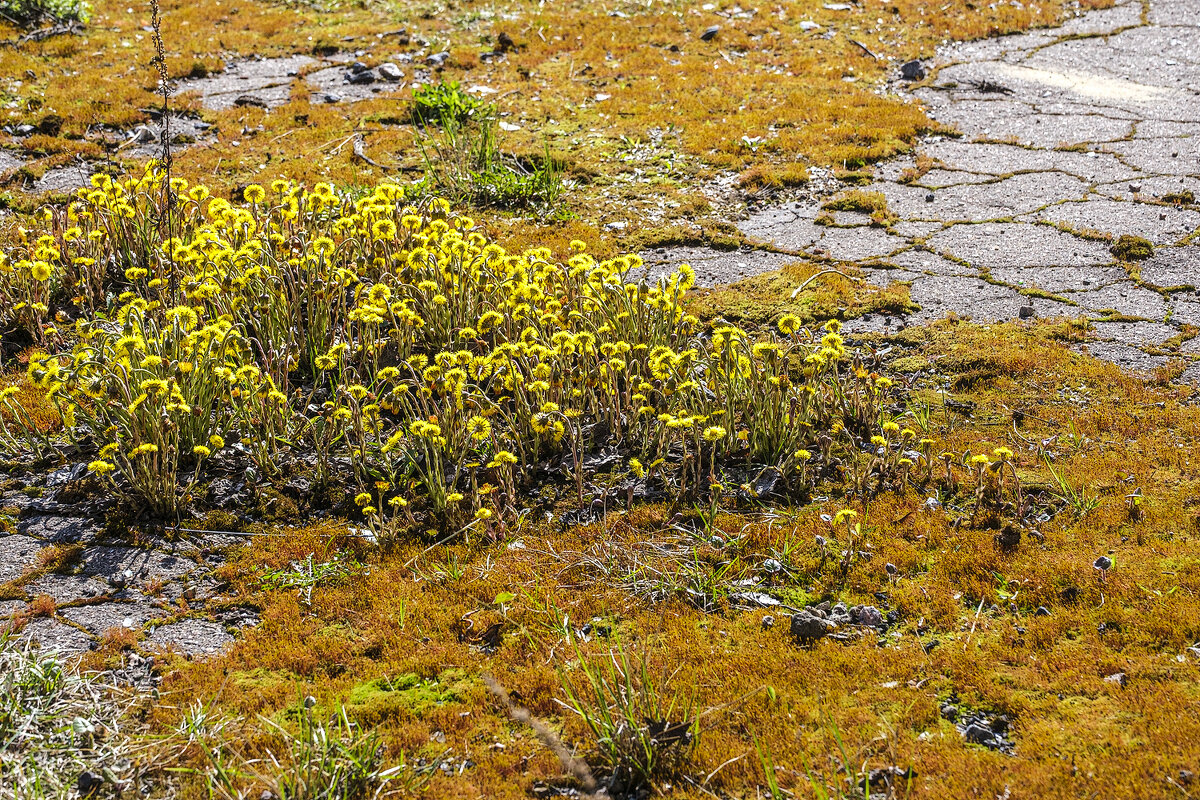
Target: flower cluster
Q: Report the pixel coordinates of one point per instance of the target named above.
(395, 337)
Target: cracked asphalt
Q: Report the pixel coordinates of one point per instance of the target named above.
(69, 584)
(1070, 138)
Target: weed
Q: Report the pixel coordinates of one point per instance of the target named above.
(464, 164)
(445, 103)
(304, 576)
(55, 723)
(1077, 499)
(320, 761)
(640, 736)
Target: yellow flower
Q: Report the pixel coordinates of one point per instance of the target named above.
(40, 271)
(502, 458)
(454, 497)
(254, 193)
(361, 499)
(714, 433)
(143, 449)
(483, 513)
(323, 246)
(384, 230)
(479, 428)
(216, 442)
(635, 466)
(202, 451)
(846, 515)
(802, 455)
(100, 467)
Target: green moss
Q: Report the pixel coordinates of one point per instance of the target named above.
(793, 596)
(910, 364)
(1132, 248)
(406, 695)
(857, 200)
(259, 680)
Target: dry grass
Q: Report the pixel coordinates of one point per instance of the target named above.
(764, 97)
(434, 615)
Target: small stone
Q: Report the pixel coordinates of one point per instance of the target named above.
(25, 130)
(1042, 611)
(710, 33)
(1026, 312)
(870, 616)
(437, 59)
(88, 783)
(245, 100)
(1135, 187)
(361, 78)
(389, 72)
(929, 197)
(1102, 563)
(1186, 776)
(143, 135)
(1118, 678)
(912, 71)
(949, 712)
(977, 734)
(808, 627)
(332, 97)
(768, 622)
(358, 67)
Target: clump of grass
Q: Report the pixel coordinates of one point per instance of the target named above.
(1132, 248)
(641, 737)
(464, 164)
(446, 103)
(319, 761)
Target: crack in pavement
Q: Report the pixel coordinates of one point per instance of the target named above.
(1071, 138)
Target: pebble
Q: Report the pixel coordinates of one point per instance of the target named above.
(808, 627)
(437, 59)
(1026, 312)
(1118, 678)
(361, 78)
(389, 72)
(88, 783)
(710, 33)
(1042, 611)
(912, 71)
